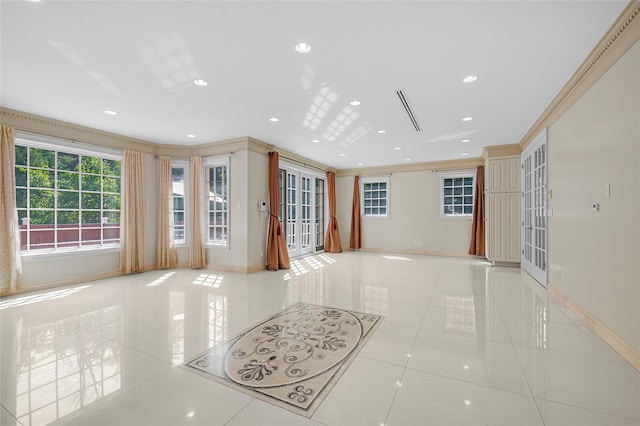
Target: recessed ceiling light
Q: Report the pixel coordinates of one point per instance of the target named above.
(360, 164)
(466, 140)
(342, 155)
(354, 102)
(397, 148)
(109, 112)
(191, 136)
(303, 47)
(382, 131)
(407, 159)
(200, 82)
(315, 140)
(274, 119)
(467, 119)
(465, 154)
(470, 79)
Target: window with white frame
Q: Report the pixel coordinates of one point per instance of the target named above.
(375, 196)
(179, 181)
(217, 187)
(66, 197)
(456, 194)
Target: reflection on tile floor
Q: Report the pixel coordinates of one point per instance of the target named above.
(461, 343)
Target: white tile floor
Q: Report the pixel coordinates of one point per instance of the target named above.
(461, 343)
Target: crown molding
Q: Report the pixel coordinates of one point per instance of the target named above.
(501, 151)
(468, 163)
(623, 34)
(33, 123)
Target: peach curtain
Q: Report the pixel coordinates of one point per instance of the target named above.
(10, 261)
(167, 255)
(355, 239)
(132, 232)
(197, 255)
(332, 240)
(477, 245)
(277, 255)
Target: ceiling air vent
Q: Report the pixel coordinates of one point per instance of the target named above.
(407, 108)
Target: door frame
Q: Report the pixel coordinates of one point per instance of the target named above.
(534, 236)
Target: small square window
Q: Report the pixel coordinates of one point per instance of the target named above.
(375, 197)
(456, 194)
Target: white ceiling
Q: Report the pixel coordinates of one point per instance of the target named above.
(72, 60)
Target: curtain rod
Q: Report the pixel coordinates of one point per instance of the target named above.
(303, 163)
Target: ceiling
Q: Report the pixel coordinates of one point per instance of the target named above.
(72, 60)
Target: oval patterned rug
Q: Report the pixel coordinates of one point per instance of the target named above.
(293, 358)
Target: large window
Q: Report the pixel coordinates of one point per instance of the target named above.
(375, 197)
(456, 194)
(217, 187)
(179, 172)
(66, 198)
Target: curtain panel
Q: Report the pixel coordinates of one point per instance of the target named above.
(132, 229)
(332, 240)
(277, 255)
(10, 261)
(197, 255)
(477, 245)
(166, 251)
(355, 239)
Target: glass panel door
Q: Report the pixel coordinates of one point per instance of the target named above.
(534, 209)
(306, 246)
(292, 214)
(319, 211)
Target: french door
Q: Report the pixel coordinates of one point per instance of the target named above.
(301, 211)
(534, 209)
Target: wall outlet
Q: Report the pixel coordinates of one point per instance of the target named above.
(607, 190)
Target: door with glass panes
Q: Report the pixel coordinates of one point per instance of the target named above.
(301, 211)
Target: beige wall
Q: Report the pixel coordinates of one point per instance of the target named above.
(594, 256)
(258, 186)
(414, 222)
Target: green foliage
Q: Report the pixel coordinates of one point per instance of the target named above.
(111, 168)
(90, 183)
(90, 201)
(91, 165)
(68, 200)
(69, 162)
(68, 217)
(68, 180)
(36, 169)
(41, 198)
(41, 178)
(42, 158)
(111, 184)
(21, 176)
(21, 155)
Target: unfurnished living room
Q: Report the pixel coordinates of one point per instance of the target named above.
(320, 212)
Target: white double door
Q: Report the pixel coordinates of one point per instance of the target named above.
(534, 209)
(302, 209)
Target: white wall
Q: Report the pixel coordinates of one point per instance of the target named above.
(595, 256)
(414, 222)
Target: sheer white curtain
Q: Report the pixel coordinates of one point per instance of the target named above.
(196, 214)
(167, 254)
(10, 262)
(132, 237)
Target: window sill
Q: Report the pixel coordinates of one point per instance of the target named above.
(53, 253)
(457, 217)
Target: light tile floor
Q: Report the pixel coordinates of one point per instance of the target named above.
(461, 343)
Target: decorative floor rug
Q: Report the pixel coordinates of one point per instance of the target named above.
(291, 359)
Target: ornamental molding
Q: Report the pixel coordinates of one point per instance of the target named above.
(620, 37)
